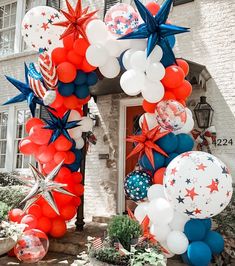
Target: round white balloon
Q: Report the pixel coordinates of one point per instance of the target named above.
(86, 124)
(97, 55)
(151, 120)
(38, 32)
(74, 115)
(141, 211)
(138, 61)
(49, 97)
(75, 133)
(126, 59)
(202, 184)
(155, 191)
(160, 231)
(113, 47)
(155, 71)
(79, 143)
(96, 31)
(153, 92)
(138, 44)
(187, 127)
(156, 55)
(177, 242)
(111, 69)
(178, 222)
(169, 254)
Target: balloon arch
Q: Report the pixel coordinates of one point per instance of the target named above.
(176, 187)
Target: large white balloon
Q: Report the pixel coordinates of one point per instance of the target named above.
(111, 69)
(178, 222)
(49, 97)
(138, 44)
(155, 71)
(151, 120)
(75, 133)
(74, 115)
(86, 124)
(153, 91)
(79, 143)
(160, 231)
(156, 55)
(97, 55)
(202, 186)
(96, 31)
(113, 47)
(126, 59)
(141, 211)
(187, 127)
(160, 211)
(177, 242)
(36, 30)
(138, 61)
(132, 82)
(155, 191)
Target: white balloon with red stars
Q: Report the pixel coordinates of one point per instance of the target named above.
(198, 184)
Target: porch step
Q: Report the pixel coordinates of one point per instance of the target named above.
(101, 219)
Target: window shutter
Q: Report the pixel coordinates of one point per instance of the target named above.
(108, 4)
(43, 113)
(54, 3)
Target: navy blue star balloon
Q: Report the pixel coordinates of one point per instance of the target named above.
(156, 30)
(60, 126)
(27, 94)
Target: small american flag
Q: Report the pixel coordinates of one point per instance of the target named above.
(121, 250)
(97, 243)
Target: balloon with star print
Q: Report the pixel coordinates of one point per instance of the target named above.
(198, 184)
(137, 184)
(38, 30)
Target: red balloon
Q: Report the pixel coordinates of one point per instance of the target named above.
(74, 58)
(30, 220)
(68, 212)
(59, 55)
(48, 211)
(47, 153)
(76, 177)
(63, 144)
(174, 77)
(183, 91)
(68, 41)
(159, 175)
(58, 228)
(182, 102)
(44, 224)
(60, 156)
(71, 102)
(168, 96)
(184, 65)
(64, 171)
(48, 167)
(149, 107)
(62, 199)
(35, 210)
(34, 121)
(153, 7)
(86, 67)
(76, 201)
(26, 146)
(58, 102)
(40, 135)
(80, 46)
(70, 157)
(78, 189)
(15, 215)
(11, 253)
(66, 72)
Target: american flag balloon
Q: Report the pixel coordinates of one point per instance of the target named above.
(48, 71)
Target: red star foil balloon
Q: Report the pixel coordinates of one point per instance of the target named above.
(146, 142)
(43, 187)
(76, 19)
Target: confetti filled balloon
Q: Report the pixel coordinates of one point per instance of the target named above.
(32, 246)
(171, 115)
(198, 184)
(38, 30)
(137, 184)
(121, 19)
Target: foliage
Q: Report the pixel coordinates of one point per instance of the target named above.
(12, 195)
(9, 179)
(124, 229)
(4, 209)
(8, 229)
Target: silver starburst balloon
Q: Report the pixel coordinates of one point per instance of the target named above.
(44, 186)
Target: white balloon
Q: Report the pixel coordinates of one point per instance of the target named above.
(49, 97)
(153, 91)
(138, 61)
(160, 211)
(113, 47)
(97, 55)
(156, 55)
(75, 133)
(111, 69)
(155, 71)
(126, 59)
(36, 30)
(138, 44)
(177, 242)
(178, 222)
(141, 211)
(169, 254)
(79, 143)
(132, 82)
(160, 231)
(96, 31)
(124, 44)
(74, 115)
(188, 126)
(155, 191)
(150, 118)
(189, 112)
(86, 124)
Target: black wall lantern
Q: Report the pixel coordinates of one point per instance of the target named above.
(203, 113)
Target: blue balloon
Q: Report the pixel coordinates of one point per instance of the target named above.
(185, 143)
(170, 157)
(207, 223)
(81, 78)
(199, 253)
(195, 230)
(74, 167)
(159, 161)
(66, 89)
(168, 143)
(92, 79)
(82, 91)
(215, 241)
(171, 40)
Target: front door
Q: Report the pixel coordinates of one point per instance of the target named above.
(133, 114)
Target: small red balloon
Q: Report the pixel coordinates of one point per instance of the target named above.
(48, 211)
(58, 102)
(40, 135)
(149, 107)
(66, 72)
(58, 228)
(174, 77)
(86, 67)
(76, 201)
(183, 91)
(76, 177)
(68, 41)
(159, 175)
(48, 167)
(169, 96)
(59, 55)
(184, 65)
(27, 146)
(62, 199)
(15, 215)
(74, 58)
(78, 189)
(35, 210)
(63, 144)
(47, 153)
(71, 102)
(64, 171)
(30, 220)
(80, 46)
(70, 157)
(68, 212)
(60, 156)
(34, 121)
(153, 7)
(44, 224)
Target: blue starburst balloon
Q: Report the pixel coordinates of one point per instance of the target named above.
(156, 30)
(27, 94)
(60, 126)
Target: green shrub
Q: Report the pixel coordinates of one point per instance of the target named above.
(4, 209)
(12, 195)
(124, 229)
(9, 179)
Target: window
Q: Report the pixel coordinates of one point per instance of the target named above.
(3, 138)
(181, 2)
(7, 28)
